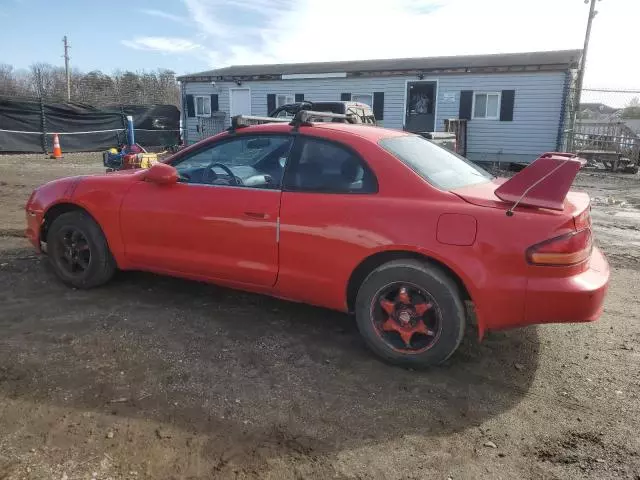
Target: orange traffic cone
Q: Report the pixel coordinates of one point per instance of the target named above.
(57, 151)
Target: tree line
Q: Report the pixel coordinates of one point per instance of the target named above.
(632, 110)
(49, 82)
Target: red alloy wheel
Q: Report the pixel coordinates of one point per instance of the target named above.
(406, 318)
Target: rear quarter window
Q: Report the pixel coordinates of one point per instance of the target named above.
(438, 166)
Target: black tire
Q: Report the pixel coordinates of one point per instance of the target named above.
(100, 265)
(442, 291)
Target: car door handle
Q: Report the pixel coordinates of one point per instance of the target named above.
(256, 215)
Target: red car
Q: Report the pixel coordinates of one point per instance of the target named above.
(354, 218)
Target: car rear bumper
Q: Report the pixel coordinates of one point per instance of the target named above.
(579, 298)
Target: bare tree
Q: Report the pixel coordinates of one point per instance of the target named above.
(48, 81)
(8, 85)
(632, 109)
(93, 88)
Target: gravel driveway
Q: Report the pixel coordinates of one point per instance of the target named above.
(154, 377)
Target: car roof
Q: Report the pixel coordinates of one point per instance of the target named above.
(369, 132)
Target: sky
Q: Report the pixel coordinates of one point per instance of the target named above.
(195, 35)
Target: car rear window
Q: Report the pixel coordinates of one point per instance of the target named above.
(437, 165)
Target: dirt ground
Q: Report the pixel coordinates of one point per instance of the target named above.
(153, 377)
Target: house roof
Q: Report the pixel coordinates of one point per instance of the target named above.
(559, 59)
(598, 107)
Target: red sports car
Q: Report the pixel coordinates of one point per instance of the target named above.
(354, 218)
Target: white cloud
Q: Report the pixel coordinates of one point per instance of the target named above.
(234, 21)
(205, 18)
(281, 31)
(357, 29)
(165, 15)
(162, 44)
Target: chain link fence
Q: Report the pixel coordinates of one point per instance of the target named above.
(605, 129)
(210, 126)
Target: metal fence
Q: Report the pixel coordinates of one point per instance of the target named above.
(607, 125)
(209, 126)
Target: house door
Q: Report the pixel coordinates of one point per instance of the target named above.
(421, 107)
(240, 101)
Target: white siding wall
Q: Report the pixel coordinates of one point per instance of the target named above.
(202, 88)
(534, 129)
(536, 114)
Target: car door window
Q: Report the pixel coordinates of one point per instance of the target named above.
(323, 166)
(255, 161)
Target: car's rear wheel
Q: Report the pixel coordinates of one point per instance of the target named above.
(410, 313)
(78, 251)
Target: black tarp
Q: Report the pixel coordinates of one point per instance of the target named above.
(27, 125)
(154, 125)
(83, 128)
(20, 116)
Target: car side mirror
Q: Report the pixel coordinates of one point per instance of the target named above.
(161, 174)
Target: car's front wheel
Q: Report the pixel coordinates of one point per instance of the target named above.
(78, 251)
(410, 313)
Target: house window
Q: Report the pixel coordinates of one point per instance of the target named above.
(366, 98)
(284, 99)
(203, 106)
(486, 105)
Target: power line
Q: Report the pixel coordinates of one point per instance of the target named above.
(609, 90)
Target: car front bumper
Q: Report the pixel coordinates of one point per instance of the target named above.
(32, 232)
(577, 298)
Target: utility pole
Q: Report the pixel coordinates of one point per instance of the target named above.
(66, 66)
(581, 68)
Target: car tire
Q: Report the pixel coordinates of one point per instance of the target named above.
(94, 264)
(425, 283)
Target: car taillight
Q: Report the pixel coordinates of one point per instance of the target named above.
(583, 220)
(567, 249)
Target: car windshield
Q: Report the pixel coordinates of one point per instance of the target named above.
(437, 165)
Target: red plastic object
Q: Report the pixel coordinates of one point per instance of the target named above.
(161, 174)
(544, 183)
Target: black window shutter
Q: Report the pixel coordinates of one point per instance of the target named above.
(378, 105)
(299, 97)
(506, 105)
(466, 101)
(345, 97)
(191, 109)
(271, 103)
(214, 102)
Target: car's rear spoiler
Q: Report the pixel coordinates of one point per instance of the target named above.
(544, 183)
